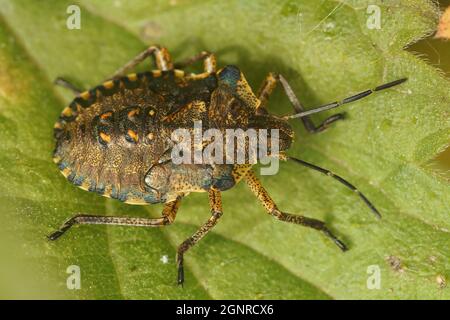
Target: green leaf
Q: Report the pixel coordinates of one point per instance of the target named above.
(326, 51)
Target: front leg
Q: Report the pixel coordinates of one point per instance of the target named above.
(269, 86)
(215, 202)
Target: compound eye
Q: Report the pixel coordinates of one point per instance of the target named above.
(230, 75)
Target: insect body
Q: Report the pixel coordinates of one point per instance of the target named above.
(115, 139)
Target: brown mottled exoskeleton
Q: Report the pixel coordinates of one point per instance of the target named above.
(115, 139)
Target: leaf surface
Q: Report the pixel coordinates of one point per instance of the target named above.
(326, 51)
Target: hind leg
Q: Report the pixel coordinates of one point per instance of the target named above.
(168, 216)
(160, 55)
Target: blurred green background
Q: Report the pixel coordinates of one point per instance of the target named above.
(437, 53)
(380, 147)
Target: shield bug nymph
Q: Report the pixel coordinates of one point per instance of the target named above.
(115, 140)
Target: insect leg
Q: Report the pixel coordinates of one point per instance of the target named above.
(298, 107)
(269, 86)
(270, 206)
(209, 61)
(168, 216)
(266, 89)
(215, 202)
(68, 85)
(160, 55)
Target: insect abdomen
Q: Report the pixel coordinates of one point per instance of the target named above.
(106, 139)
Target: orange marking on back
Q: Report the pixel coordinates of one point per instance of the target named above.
(105, 137)
(66, 172)
(58, 125)
(106, 115)
(156, 73)
(179, 73)
(194, 76)
(108, 84)
(133, 112)
(85, 95)
(132, 77)
(133, 135)
(67, 112)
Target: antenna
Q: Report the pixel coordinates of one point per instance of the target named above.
(336, 104)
